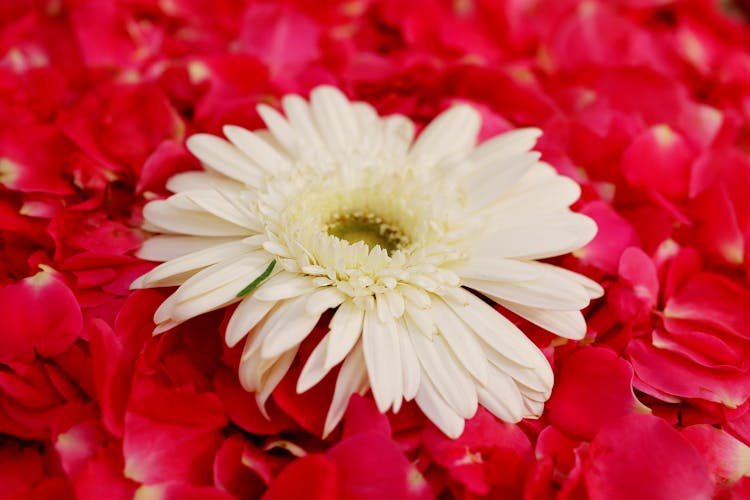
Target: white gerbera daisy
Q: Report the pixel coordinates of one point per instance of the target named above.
(333, 207)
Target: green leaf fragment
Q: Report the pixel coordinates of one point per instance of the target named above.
(257, 281)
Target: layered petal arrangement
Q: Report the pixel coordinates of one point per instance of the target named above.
(407, 241)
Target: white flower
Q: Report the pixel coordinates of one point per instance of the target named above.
(336, 208)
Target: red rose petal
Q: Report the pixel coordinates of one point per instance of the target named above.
(171, 434)
(371, 466)
(363, 416)
(678, 376)
(728, 458)
(488, 454)
(614, 236)
(243, 409)
(181, 491)
(311, 477)
(593, 387)
(659, 159)
(231, 474)
(712, 299)
(558, 466)
(641, 456)
(39, 312)
(20, 469)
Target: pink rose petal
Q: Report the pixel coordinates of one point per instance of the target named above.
(39, 312)
(593, 387)
(641, 456)
(312, 476)
(728, 458)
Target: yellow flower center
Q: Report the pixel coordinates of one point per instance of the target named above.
(368, 228)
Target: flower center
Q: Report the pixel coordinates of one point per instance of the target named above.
(368, 228)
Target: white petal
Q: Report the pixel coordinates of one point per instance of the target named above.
(292, 325)
(248, 314)
(284, 285)
(415, 296)
(398, 133)
(223, 205)
(222, 157)
(279, 128)
(262, 154)
(314, 369)
(214, 287)
(554, 234)
(504, 146)
(410, 368)
(461, 340)
(538, 378)
(240, 269)
(534, 409)
(494, 329)
(395, 302)
(323, 299)
(345, 330)
(421, 320)
(437, 410)
(453, 131)
(488, 183)
(272, 376)
(548, 291)
(566, 324)
(170, 219)
(593, 288)
(300, 118)
(176, 271)
(352, 378)
(450, 380)
(164, 247)
(335, 117)
(545, 195)
(497, 269)
(502, 397)
(189, 181)
(381, 348)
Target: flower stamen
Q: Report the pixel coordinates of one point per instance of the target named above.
(368, 228)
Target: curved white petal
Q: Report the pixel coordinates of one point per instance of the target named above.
(352, 378)
(220, 156)
(452, 131)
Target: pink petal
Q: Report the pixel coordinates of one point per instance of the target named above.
(312, 476)
(363, 416)
(78, 445)
(39, 312)
(102, 477)
(35, 160)
(182, 491)
(558, 466)
(593, 387)
(279, 35)
(489, 456)
(714, 300)
(20, 469)
(381, 472)
(634, 297)
(678, 376)
(614, 236)
(728, 458)
(243, 409)
(171, 433)
(659, 159)
(641, 456)
(114, 352)
(230, 472)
